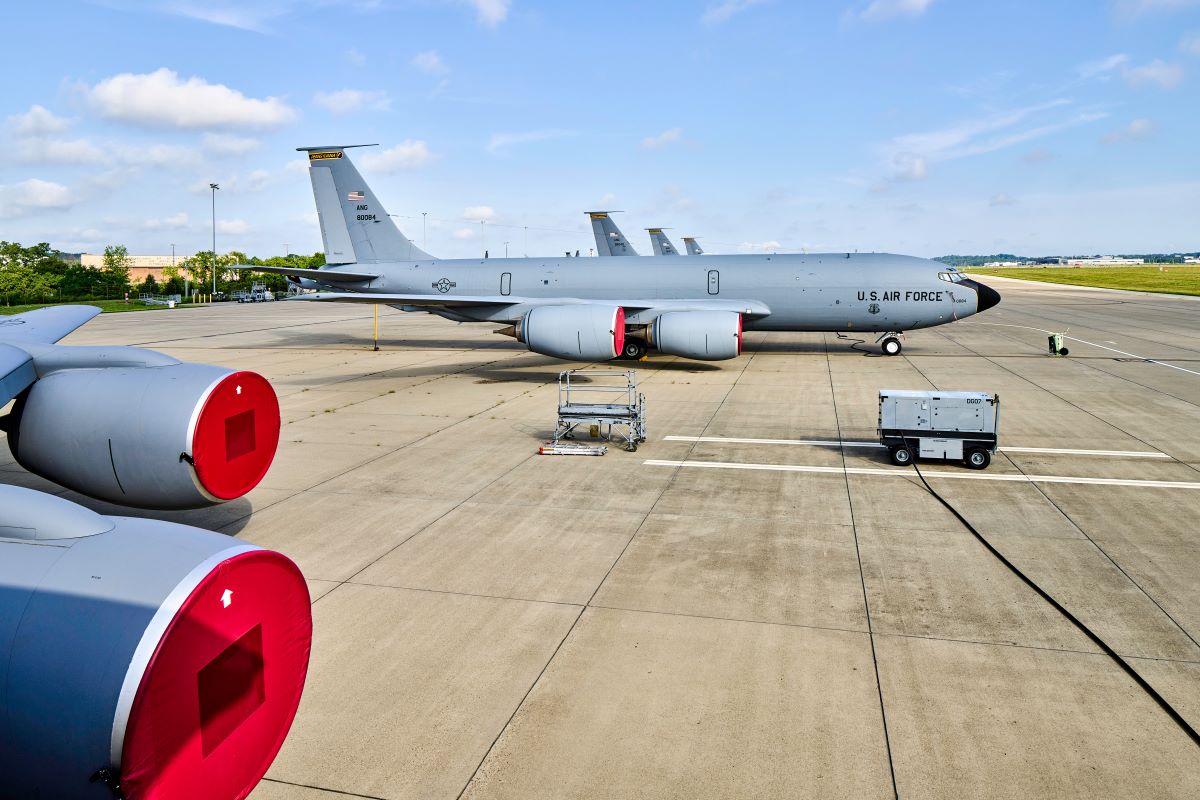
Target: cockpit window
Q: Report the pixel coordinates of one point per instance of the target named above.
(951, 277)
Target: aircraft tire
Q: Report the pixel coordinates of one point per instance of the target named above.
(891, 346)
(634, 349)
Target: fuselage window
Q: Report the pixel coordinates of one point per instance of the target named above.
(714, 281)
(505, 283)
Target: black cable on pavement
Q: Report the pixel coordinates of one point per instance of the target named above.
(1137, 678)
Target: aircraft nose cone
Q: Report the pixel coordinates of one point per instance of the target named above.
(988, 296)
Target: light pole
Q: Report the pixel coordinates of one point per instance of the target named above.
(483, 236)
(506, 249)
(527, 241)
(214, 188)
(424, 239)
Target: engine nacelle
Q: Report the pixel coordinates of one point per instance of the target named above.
(577, 332)
(702, 335)
(172, 657)
(166, 437)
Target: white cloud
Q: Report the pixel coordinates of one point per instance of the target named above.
(908, 157)
(1136, 130)
(162, 99)
(1103, 67)
(356, 58)
(476, 213)
(1001, 199)
(346, 101)
(233, 227)
(172, 223)
(58, 151)
(886, 9)
(409, 154)
(223, 144)
(501, 142)
(30, 196)
(718, 13)
(37, 121)
(490, 12)
(297, 165)
(759, 247)
(1140, 6)
(1157, 73)
(909, 167)
(1190, 44)
(465, 234)
(663, 139)
(429, 62)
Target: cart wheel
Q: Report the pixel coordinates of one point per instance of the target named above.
(1063, 351)
(977, 458)
(901, 455)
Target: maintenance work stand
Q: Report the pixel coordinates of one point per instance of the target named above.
(601, 399)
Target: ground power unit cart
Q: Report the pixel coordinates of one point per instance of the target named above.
(945, 425)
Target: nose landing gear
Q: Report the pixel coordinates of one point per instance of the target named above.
(889, 343)
(634, 349)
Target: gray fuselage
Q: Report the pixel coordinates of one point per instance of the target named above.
(872, 292)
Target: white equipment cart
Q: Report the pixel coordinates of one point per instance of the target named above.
(945, 425)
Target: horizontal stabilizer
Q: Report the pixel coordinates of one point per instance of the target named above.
(319, 275)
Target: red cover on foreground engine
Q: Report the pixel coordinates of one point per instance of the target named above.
(221, 690)
(236, 435)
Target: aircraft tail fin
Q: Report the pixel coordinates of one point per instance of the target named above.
(693, 247)
(609, 239)
(355, 228)
(661, 244)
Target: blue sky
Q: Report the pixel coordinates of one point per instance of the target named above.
(914, 126)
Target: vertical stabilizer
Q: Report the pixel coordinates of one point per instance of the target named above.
(609, 239)
(661, 244)
(693, 247)
(355, 228)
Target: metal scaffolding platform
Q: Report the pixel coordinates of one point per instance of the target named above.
(601, 399)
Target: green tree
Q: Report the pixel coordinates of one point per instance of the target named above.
(116, 270)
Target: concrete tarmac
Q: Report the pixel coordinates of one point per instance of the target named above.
(491, 623)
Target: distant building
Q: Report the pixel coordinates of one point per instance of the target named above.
(1103, 261)
(1191, 259)
(139, 266)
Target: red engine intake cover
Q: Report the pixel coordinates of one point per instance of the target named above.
(219, 694)
(237, 432)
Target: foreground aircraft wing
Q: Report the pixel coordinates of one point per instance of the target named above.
(44, 325)
(320, 275)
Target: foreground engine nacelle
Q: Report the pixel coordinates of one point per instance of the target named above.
(165, 437)
(702, 335)
(576, 332)
(170, 657)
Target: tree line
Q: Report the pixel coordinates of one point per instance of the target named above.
(39, 274)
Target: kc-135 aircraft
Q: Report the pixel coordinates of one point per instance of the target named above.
(138, 658)
(624, 306)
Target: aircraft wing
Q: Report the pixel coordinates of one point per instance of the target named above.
(431, 300)
(752, 308)
(321, 275)
(16, 372)
(44, 325)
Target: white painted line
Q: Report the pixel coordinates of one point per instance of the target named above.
(1117, 453)
(732, 440)
(828, 443)
(1085, 341)
(897, 473)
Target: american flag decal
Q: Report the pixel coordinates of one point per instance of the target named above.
(355, 196)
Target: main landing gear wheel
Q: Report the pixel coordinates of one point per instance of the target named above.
(633, 350)
(891, 346)
(901, 455)
(977, 458)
